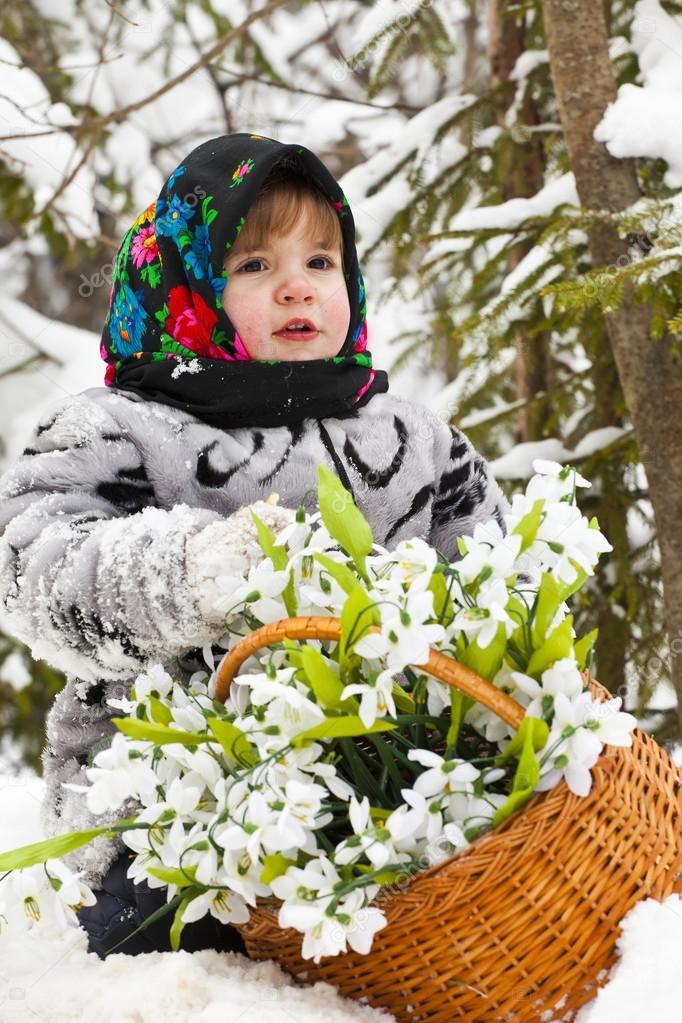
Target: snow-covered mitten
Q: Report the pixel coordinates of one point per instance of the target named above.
(228, 547)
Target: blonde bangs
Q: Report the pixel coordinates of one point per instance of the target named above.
(279, 209)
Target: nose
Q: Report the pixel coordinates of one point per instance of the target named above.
(295, 287)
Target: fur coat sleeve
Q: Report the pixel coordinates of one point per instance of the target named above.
(92, 572)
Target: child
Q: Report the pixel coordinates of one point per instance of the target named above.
(237, 360)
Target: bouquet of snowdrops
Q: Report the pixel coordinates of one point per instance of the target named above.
(335, 768)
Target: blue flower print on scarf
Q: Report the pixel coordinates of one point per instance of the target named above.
(174, 176)
(174, 218)
(198, 257)
(128, 320)
(198, 260)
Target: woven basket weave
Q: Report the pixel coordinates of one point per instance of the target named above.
(522, 926)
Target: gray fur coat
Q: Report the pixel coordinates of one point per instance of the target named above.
(95, 518)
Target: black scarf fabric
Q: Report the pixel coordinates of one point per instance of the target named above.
(167, 336)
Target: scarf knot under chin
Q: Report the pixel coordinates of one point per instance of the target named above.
(167, 336)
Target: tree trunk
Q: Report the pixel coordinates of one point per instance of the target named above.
(520, 178)
(650, 372)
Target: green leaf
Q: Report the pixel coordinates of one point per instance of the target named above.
(459, 705)
(403, 700)
(234, 742)
(527, 527)
(341, 728)
(274, 865)
(583, 647)
(280, 559)
(551, 595)
(358, 616)
(50, 849)
(485, 661)
(178, 925)
(343, 575)
(159, 711)
(158, 734)
(342, 517)
(172, 875)
(528, 769)
(324, 681)
(442, 602)
(557, 645)
(539, 731)
(548, 603)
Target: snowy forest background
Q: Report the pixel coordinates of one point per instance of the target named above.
(523, 269)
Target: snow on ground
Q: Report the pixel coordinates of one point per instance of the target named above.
(52, 978)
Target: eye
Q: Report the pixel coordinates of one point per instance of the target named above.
(247, 265)
(324, 259)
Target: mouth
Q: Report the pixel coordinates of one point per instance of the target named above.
(298, 330)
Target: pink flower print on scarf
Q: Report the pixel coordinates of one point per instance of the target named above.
(144, 248)
(241, 171)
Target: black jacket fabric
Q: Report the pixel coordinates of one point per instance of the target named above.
(121, 908)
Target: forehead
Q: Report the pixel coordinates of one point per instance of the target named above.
(304, 237)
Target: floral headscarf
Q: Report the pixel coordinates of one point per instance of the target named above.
(167, 336)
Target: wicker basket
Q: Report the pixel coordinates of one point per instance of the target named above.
(522, 926)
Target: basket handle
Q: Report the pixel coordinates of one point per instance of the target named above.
(442, 667)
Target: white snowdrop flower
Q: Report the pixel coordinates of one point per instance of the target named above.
(368, 840)
(489, 549)
(564, 536)
(225, 906)
(609, 723)
(404, 638)
(427, 819)
(562, 677)
(286, 717)
(438, 696)
(409, 565)
(116, 776)
(455, 835)
(182, 796)
(303, 803)
(262, 586)
(189, 718)
(155, 680)
(376, 698)
(306, 761)
(24, 899)
(252, 828)
(294, 536)
(489, 613)
(264, 687)
(318, 877)
(553, 480)
(326, 932)
(68, 887)
(577, 753)
(243, 873)
(199, 762)
(489, 725)
(470, 811)
(322, 593)
(443, 776)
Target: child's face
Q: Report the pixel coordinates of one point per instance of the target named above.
(288, 279)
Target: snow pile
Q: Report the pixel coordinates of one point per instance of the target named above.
(643, 121)
(51, 977)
